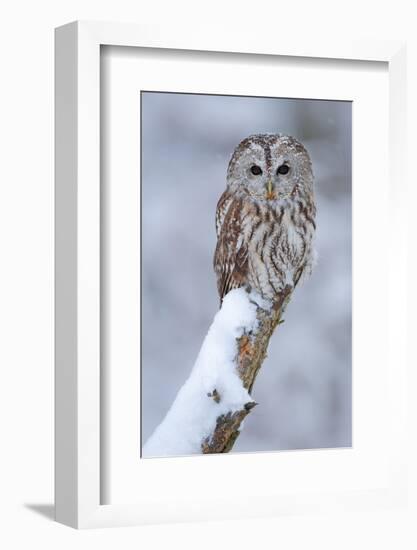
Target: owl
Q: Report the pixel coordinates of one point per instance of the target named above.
(265, 219)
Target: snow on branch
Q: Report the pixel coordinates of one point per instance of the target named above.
(209, 408)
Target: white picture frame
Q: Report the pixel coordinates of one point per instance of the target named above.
(78, 405)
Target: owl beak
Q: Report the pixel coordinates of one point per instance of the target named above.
(270, 192)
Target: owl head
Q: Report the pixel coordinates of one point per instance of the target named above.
(270, 167)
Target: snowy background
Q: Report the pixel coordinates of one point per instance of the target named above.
(304, 386)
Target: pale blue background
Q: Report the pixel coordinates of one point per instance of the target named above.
(304, 386)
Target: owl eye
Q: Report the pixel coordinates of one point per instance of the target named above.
(283, 169)
(256, 170)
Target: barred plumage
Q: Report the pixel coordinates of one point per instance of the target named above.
(265, 220)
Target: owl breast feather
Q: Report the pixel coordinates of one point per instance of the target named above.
(262, 246)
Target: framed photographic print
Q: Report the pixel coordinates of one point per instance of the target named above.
(221, 210)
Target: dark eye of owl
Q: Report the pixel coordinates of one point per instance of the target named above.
(283, 169)
(256, 170)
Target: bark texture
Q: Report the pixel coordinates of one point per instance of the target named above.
(251, 352)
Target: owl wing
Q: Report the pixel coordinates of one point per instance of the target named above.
(231, 255)
(223, 205)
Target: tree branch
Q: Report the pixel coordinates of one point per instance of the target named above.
(208, 411)
(251, 352)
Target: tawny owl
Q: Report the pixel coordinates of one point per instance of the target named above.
(265, 219)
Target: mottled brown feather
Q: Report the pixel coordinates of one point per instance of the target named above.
(230, 259)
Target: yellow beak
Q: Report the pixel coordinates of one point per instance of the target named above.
(270, 193)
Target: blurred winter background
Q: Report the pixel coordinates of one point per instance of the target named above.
(304, 386)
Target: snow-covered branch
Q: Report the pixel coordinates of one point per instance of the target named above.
(209, 408)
